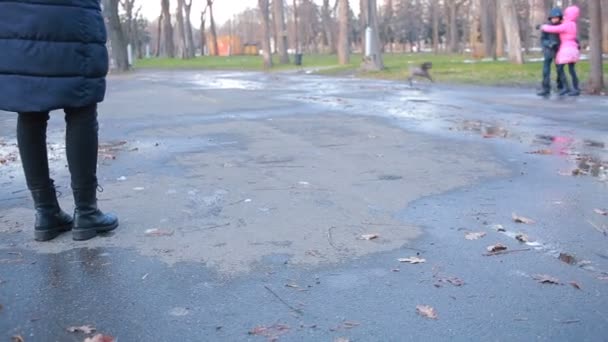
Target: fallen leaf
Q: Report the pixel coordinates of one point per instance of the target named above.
(543, 152)
(179, 311)
(496, 248)
(567, 258)
(455, 281)
(546, 279)
(100, 338)
(158, 232)
(272, 332)
(412, 260)
(85, 329)
(474, 236)
(500, 228)
(523, 238)
(369, 236)
(17, 338)
(426, 311)
(350, 324)
(341, 339)
(575, 285)
(601, 212)
(521, 219)
(293, 286)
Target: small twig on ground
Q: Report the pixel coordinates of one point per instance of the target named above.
(298, 311)
(507, 252)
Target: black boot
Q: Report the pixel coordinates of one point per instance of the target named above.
(544, 92)
(51, 221)
(88, 219)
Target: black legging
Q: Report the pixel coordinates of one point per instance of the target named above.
(562, 75)
(81, 147)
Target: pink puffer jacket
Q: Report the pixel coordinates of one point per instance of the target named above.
(568, 49)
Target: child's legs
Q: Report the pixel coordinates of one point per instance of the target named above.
(572, 70)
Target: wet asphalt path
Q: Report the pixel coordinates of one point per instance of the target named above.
(478, 141)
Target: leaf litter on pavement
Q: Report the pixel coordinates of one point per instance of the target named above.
(85, 329)
(426, 311)
(522, 219)
(496, 248)
(100, 338)
(412, 260)
(546, 279)
(474, 235)
(272, 332)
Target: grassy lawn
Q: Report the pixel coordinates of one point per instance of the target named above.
(446, 68)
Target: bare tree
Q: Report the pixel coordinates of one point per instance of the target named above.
(511, 25)
(202, 29)
(181, 29)
(596, 79)
(189, 38)
(212, 28)
(435, 19)
(373, 61)
(500, 33)
(453, 12)
(118, 42)
(158, 34)
(265, 12)
(169, 46)
(343, 41)
(605, 27)
(488, 8)
(475, 13)
(279, 22)
(538, 15)
(296, 27)
(328, 30)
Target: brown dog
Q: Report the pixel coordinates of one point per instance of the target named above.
(420, 71)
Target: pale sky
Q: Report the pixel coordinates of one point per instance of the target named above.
(223, 10)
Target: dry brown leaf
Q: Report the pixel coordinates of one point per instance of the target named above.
(543, 152)
(575, 285)
(412, 260)
(17, 338)
(369, 236)
(523, 238)
(567, 258)
(272, 332)
(601, 212)
(426, 311)
(100, 338)
(158, 232)
(521, 219)
(474, 236)
(547, 279)
(85, 329)
(496, 248)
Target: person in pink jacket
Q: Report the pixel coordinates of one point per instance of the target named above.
(569, 49)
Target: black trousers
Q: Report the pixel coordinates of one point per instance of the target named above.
(561, 73)
(547, 74)
(81, 147)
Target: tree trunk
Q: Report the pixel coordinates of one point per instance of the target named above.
(500, 33)
(159, 34)
(435, 15)
(453, 9)
(475, 12)
(181, 29)
(596, 79)
(538, 15)
(117, 37)
(328, 27)
(605, 27)
(202, 29)
(212, 28)
(264, 11)
(190, 49)
(511, 25)
(374, 61)
(343, 41)
(169, 46)
(279, 22)
(296, 28)
(487, 26)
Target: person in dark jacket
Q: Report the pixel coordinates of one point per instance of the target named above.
(53, 56)
(550, 43)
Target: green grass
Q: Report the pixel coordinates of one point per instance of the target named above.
(446, 68)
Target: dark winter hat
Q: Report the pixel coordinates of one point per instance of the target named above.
(556, 13)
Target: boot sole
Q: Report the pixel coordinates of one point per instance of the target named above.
(89, 233)
(47, 235)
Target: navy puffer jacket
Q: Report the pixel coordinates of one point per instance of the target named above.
(52, 54)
